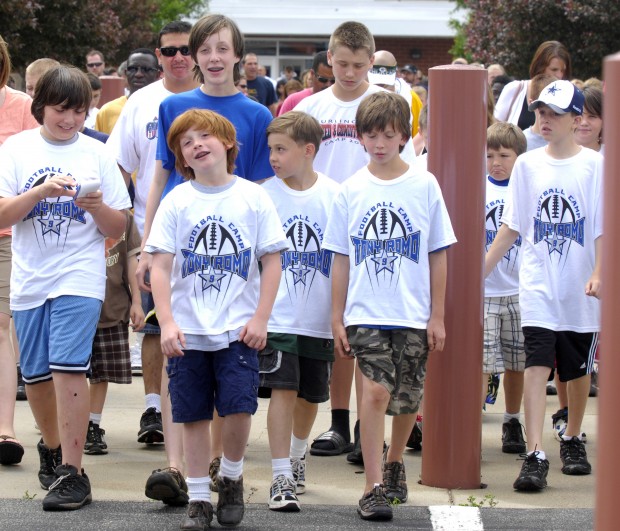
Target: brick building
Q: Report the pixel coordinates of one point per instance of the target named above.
(290, 32)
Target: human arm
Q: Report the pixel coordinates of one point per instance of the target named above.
(171, 335)
(109, 221)
(254, 333)
(436, 330)
(504, 240)
(593, 286)
(507, 100)
(160, 178)
(136, 313)
(340, 286)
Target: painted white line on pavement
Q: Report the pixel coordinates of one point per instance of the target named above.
(452, 518)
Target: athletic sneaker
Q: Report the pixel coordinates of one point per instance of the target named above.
(492, 389)
(168, 486)
(49, 460)
(394, 481)
(95, 441)
(21, 386)
(533, 475)
(375, 505)
(135, 353)
(199, 516)
(551, 388)
(151, 427)
(415, 438)
(230, 506)
(214, 469)
(512, 437)
(299, 474)
(70, 491)
(574, 457)
(282, 495)
(559, 421)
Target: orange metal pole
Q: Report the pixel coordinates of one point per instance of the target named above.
(452, 401)
(608, 473)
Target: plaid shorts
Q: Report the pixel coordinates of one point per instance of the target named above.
(111, 361)
(503, 337)
(395, 359)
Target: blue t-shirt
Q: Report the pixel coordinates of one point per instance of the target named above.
(263, 90)
(249, 118)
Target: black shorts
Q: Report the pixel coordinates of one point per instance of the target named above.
(572, 352)
(283, 370)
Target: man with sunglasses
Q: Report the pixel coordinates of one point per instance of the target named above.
(321, 78)
(142, 70)
(95, 64)
(133, 142)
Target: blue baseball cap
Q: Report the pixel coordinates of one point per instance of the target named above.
(562, 96)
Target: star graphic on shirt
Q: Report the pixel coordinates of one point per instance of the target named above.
(556, 245)
(51, 224)
(211, 279)
(384, 261)
(299, 274)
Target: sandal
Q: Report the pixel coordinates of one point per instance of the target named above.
(11, 451)
(337, 441)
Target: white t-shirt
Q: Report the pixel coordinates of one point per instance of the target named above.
(504, 279)
(91, 117)
(303, 305)
(388, 229)
(57, 247)
(217, 236)
(341, 153)
(534, 140)
(133, 141)
(556, 206)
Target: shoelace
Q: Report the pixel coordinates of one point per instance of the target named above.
(63, 483)
(97, 435)
(282, 485)
(532, 462)
(393, 478)
(574, 450)
(515, 431)
(377, 497)
(298, 467)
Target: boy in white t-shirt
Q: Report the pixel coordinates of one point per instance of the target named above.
(53, 181)
(212, 305)
(389, 228)
(535, 87)
(555, 204)
(296, 365)
(503, 339)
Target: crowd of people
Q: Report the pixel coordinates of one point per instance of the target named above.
(282, 239)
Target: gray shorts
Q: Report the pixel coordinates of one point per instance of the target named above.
(503, 337)
(395, 359)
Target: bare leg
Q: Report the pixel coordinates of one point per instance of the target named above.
(42, 400)
(535, 398)
(152, 363)
(372, 430)
(235, 434)
(216, 435)
(197, 448)
(73, 402)
(280, 422)
(401, 430)
(341, 383)
(578, 390)
(562, 391)
(8, 378)
(98, 392)
(303, 418)
(513, 391)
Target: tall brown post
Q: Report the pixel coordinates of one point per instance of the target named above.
(452, 399)
(112, 87)
(608, 473)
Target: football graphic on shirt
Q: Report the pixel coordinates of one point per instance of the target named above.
(304, 259)
(385, 224)
(215, 239)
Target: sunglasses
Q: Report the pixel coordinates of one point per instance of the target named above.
(171, 51)
(322, 79)
(93, 65)
(145, 69)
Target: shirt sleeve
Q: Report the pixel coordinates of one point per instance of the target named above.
(337, 229)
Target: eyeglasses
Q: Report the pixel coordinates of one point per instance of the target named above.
(322, 79)
(145, 69)
(171, 51)
(242, 86)
(93, 65)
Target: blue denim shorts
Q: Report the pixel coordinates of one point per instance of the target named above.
(56, 336)
(226, 379)
(147, 305)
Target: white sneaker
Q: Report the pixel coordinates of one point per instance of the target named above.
(135, 351)
(299, 474)
(282, 495)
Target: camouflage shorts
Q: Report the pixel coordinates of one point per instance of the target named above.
(395, 359)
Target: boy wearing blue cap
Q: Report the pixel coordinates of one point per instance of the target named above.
(555, 205)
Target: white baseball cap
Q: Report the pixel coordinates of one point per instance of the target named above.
(562, 96)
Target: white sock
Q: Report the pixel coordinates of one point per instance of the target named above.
(153, 400)
(199, 489)
(541, 455)
(298, 447)
(95, 418)
(231, 469)
(508, 416)
(282, 467)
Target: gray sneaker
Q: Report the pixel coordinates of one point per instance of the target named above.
(69, 492)
(299, 474)
(199, 516)
(282, 495)
(230, 506)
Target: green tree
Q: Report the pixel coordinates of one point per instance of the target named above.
(509, 32)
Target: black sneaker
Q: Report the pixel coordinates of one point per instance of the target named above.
(355, 457)
(151, 427)
(574, 457)
(375, 505)
(512, 437)
(199, 516)
(21, 386)
(230, 506)
(214, 469)
(415, 438)
(168, 486)
(49, 460)
(95, 440)
(70, 491)
(533, 475)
